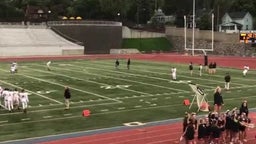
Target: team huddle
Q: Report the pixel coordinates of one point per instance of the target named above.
(13, 99)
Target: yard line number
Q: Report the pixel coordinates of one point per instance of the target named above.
(114, 87)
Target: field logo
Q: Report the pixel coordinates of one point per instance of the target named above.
(130, 124)
(114, 87)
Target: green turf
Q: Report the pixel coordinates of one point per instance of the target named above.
(144, 94)
(147, 44)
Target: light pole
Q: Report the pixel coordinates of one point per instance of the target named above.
(118, 16)
(140, 40)
(156, 5)
(193, 33)
(185, 32)
(212, 31)
(138, 15)
(48, 16)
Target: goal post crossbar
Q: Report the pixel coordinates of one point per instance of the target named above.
(199, 49)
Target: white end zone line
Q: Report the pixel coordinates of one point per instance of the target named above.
(32, 92)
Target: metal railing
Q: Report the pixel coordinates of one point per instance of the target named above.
(63, 22)
(83, 22)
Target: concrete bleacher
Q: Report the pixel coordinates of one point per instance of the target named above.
(35, 40)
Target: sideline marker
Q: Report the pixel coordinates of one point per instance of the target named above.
(86, 113)
(186, 102)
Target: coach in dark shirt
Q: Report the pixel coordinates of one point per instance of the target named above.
(227, 81)
(67, 96)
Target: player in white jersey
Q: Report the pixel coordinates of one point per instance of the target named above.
(9, 99)
(14, 67)
(1, 95)
(246, 69)
(16, 99)
(200, 70)
(173, 71)
(24, 100)
(48, 65)
(12, 70)
(5, 94)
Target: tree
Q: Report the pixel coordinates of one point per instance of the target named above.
(205, 22)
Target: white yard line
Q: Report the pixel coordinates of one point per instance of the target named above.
(2, 105)
(98, 83)
(87, 92)
(143, 83)
(47, 117)
(61, 108)
(69, 114)
(102, 113)
(157, 68)
(79, 102)
(25, 119)
(76, 116)
(151, 95)
(13, 85)
(6, 121)
(187, 72)
(221, 69)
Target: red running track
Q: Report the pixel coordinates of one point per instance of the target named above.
(224, 61)
(162, 134)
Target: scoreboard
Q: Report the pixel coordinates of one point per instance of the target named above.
(247, 37)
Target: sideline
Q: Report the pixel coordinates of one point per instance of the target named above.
(93, 132)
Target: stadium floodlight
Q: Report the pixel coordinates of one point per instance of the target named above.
(193, 26)
(185, 32)
(212, 31)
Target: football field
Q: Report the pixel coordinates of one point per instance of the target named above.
(145, 93)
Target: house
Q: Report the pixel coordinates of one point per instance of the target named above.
(37, 14)
(160, 17)
(236, 21)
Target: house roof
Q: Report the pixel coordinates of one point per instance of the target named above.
(231, 23)
(237, 15)
(36, 9)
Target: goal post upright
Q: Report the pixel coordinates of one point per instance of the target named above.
(198, 49)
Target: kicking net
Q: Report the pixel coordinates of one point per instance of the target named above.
(200, 98)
